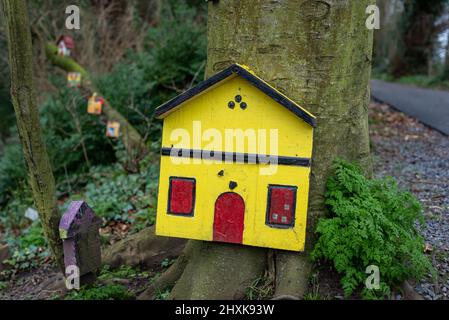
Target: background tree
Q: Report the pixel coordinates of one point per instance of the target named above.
(319, 54)
(26, 109)
(420, 30)
(388, 37)
(408, 41)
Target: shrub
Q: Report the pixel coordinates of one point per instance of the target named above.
(12, 216)
(101, 292)
(372, 223)
(68, 128)
(124, 272)
(29, 250)
(116, 195)
(12, 170)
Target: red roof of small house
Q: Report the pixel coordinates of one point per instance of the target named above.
(69, 43)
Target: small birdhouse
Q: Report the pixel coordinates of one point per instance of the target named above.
(235, 163)
(79, 230)
(113, 129)
(74, 79)
(95, 104)
(65, 45)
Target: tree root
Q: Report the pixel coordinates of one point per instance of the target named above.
(169, 277)
(409, 293)
(292, 273)
(143, 249)
(219, 271)
(285, 297)
(206, 270)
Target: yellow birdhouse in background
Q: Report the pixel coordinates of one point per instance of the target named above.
(113, 129)
(95, 104)
(73, 79)
(235, 163)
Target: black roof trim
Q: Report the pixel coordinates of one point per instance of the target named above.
(254, 80)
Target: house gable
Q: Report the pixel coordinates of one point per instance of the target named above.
(229, 73)
(210, 112)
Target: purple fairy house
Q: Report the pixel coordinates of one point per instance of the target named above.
(81, 240)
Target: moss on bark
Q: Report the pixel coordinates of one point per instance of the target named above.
(23, 96)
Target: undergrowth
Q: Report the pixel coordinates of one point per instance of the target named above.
(371, 222)
(101, 292)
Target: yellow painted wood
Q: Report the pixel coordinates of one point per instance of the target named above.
(113, 129)
(209, 110)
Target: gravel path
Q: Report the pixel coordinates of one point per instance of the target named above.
(418, 157)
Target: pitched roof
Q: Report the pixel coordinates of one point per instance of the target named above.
(237, 69)
(77, 219)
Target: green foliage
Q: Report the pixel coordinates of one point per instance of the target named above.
(34, 236)
(68, 128)
(125, 86)
(3, 285)
(177, 48)
(6, 110)
(313, 296)
(167, 262)
(101, 292)
(162, 295)
(12, 170)
(372, 223)
(124, 272)
(117, 195)
(12, 216)
(173, 60)
(439, 82)
(28, 250)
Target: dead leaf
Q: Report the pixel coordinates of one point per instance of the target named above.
(428, 248)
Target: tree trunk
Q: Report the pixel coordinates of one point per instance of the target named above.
(388, 39)
(25, 106)
(319, 54)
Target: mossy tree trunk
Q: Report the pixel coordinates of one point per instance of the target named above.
(27, 114)
(319, 54)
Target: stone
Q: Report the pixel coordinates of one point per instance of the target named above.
(31, 214)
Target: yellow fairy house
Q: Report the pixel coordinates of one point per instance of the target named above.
(235, 163)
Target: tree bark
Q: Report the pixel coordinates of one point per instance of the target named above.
(318, 53)
(25, 106)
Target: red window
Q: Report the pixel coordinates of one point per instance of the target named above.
(181, 196)
(281, 206)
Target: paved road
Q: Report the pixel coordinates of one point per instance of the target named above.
(429, 106)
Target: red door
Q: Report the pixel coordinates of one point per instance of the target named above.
(228, 218)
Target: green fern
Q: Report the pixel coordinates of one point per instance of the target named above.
(372, 223)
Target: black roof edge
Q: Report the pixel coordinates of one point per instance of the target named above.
(254, 80)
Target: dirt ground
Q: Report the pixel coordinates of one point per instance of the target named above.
(416, 155)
